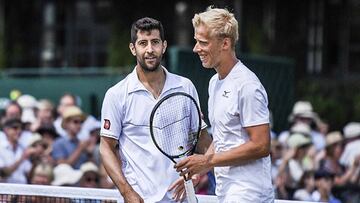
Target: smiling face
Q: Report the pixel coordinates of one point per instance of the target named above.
(207, 47)
(148, 49)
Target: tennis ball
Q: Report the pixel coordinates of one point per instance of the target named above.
(14, 94)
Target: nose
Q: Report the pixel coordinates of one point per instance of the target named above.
(149, 48)
(196, 48)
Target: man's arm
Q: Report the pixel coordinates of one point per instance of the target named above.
(204, 142)
(112, 164)
(257, 147)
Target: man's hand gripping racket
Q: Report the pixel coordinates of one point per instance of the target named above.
(175, 124)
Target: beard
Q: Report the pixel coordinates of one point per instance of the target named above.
(147, 68)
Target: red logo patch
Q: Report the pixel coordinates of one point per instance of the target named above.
(107, 124)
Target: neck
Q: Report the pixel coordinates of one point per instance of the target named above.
(226, 65)
(153, 81)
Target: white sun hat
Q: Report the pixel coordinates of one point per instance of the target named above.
(64, 174)
(352, 129)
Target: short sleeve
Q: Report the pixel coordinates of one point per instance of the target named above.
(111, 117)
(253, 104)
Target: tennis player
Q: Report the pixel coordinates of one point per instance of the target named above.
(138, 169)
(238, 115)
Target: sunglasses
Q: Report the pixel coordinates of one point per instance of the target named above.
(77, 121)
(16, 127)
(91, 179)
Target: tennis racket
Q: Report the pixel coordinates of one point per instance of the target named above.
(175, 125)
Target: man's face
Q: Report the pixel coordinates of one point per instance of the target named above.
(13, 132)
(207, 47)
(65, 102)
(148, 49)
(13, 111)
(73, 125)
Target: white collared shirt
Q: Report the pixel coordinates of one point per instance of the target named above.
(9, 156)
(236, 102)
(125, 116)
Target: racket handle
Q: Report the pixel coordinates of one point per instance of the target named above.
(190, 192)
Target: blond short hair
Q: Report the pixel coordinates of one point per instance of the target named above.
(220, 22)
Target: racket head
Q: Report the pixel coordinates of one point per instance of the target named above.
(175, 124)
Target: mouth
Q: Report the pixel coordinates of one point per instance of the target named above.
(202, 58)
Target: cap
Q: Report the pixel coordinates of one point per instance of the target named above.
(352, 129)
(64, 174)
(11, 122)
(333, 138)
(321, 173)
(298, 140)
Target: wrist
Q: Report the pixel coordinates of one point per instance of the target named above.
(125, 188)
(210, 160)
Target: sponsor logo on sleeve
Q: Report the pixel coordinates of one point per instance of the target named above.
(107, 124)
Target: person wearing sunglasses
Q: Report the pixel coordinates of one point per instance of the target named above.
(69, 149)
(14, 157)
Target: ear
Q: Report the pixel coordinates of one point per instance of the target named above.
(226, 45)
(164, 46)
(132, 49)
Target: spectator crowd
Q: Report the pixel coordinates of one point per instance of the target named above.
(41, 143)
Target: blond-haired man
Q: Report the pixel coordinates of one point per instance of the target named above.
(238, 115)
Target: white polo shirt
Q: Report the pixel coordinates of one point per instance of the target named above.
(125, 116)
(8, 156)
(235, 102)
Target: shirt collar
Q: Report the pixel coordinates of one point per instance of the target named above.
(171, 82)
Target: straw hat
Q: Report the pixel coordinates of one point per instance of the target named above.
(44, 169)
(333, 138)
(351, 130)
(71, 112)
(298, 140)
(64, 174)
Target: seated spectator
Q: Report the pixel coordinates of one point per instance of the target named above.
(70, 100)
(91, 176)
(331, 164)
(70, 149)
(306, 187)
(49, 135)
(293, 166)
(14, 110)
(303, 113)
(41, 174)
(324, 183)
(14, 158)
(352, 147)
(28, 104)
(44, 112)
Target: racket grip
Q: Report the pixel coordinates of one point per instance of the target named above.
(190, 191)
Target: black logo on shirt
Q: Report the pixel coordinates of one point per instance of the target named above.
(225, 94)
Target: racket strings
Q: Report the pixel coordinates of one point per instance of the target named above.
(176, 125)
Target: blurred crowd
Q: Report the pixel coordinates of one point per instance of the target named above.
(309, 163)
(48, 144)
(41, 143)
